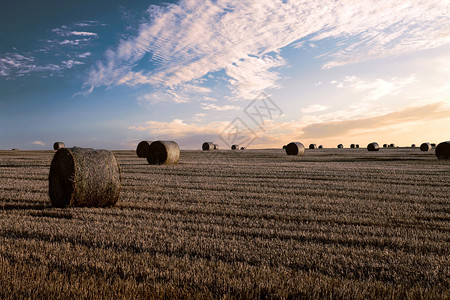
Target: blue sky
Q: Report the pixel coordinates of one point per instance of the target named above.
(107, 74)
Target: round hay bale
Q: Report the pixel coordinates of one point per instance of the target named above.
(163, 153)
(392, 145)
(208, 146)
(413, 146)
(425, 147)
(243, 148)
(14, 149)
(143, 148)
(235, 147)
(340, 146)
(58, 145)
(216, 146)
(385, 145)
(312, 146)
(433, 145)
(373, 147)
(357, 145)
(352, 146)
(320, 146)
(284, 147)
(295, 148)
(443, 150)
(84, 177)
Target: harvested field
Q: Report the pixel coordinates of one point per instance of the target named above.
(334, 223)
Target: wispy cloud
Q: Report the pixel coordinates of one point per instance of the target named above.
(211, 106)
(39, 143)
(191, 39)
(314, 108)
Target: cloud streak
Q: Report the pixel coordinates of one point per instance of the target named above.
(190, 39)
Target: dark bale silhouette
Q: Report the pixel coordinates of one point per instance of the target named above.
(373, 147)
(208, 146)
(312, 146)
(425, 147)
(235, 147)
(443, 150)
(163, 153)
(295, 148)
(58, 145)
(340, 146)
(143, 148)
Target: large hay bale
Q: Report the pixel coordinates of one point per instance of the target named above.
(216, 146)
(425, 147)
(58, 145)
(208, 146)
(340, 146)
(352, 146)
(163, 153)
(320, 146)
(443, 150)
(312, 146)
(373, 147)
(143, 148)
(295, 148)
(84, 177)
(235, 147)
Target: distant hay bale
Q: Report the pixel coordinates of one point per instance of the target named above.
(357, 145)
(84, 177)
(385, 145)
(295, 148)
(14, 149)
(373, 147)
(413, 146)
(433, 145)
(58, 145)
(443, 150)
(425, 147)
(320, 146)
(235, 147)
(340, 146)
(284, 147)
(216, 146)
(163, 153)
(208, 146)
(352, 146)
(392, 145)
(143, 148)
(242, 148)
(312, 146)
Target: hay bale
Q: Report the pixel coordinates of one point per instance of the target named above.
(143, 148)
(284, 147)
(208, 146)
(340, 146)
(295, 148)
(312, 146)
(443, 150)
(320, 146)
(216, 146)
(425, 147)
(413, 146)
(243, 148)
(385, 145)
(392, 145)
(357, 145)
(352, 146)
(58, 145)
(84, 177)
(373, 147)
(433, 145)
(163, 153)
(235, 147)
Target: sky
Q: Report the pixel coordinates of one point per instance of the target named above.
(258, 73)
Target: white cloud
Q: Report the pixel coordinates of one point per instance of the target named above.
(314, 108)
(83, 33)
(84, 55)
(211, 106)
(193, 38)
(39, 143)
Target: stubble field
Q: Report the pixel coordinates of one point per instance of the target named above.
(335, 223)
